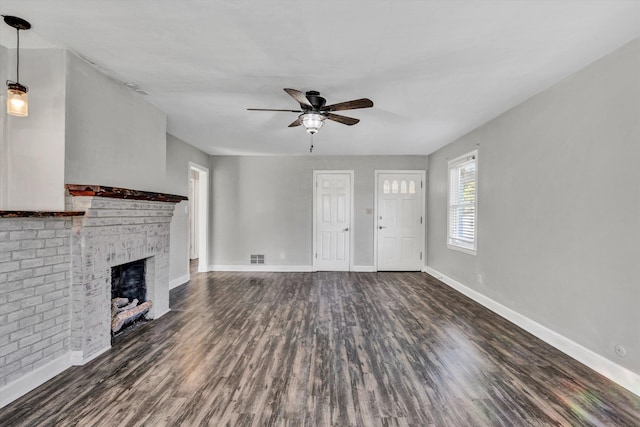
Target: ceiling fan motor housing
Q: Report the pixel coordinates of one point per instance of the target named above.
(315, 99)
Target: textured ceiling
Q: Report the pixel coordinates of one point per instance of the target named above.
(435, 69)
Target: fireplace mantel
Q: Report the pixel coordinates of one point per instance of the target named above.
(40, 214)
(121, 193)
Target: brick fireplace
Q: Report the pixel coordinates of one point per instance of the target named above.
(118, 227)
(55, 271)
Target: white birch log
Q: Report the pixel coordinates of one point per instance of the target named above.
(120, 302)
(127, 316)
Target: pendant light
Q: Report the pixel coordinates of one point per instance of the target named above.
(17, 104)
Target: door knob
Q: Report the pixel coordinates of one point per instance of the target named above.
(381, 227)
(346, 229)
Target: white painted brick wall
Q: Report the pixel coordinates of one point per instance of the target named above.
(55, 277)
(35, 290)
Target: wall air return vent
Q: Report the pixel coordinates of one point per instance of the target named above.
(257, 259)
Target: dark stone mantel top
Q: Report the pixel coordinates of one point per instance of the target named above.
(40, 214)
(121, 193)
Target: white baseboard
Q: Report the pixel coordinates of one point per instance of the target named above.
(283, 268)
(179, 281)
(33, 379)
(363, 268)
(616, 373)
(77, 357)
(264, 268)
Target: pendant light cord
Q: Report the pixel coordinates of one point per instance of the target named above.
(18, 57)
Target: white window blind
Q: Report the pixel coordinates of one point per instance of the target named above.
(463, 202)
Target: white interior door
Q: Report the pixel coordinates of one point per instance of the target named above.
(400, 222)
(332, 221)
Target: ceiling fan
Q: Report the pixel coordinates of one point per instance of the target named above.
(315, 112)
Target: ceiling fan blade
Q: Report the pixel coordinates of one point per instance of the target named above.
(298, 122)
(271, 109)
(350, 105)
(299, 96)
(349, 121)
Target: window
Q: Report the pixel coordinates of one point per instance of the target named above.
(463, 177)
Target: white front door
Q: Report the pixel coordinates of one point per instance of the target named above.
(400, 222)
(332, 221)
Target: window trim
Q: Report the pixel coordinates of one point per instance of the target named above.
(455, 164)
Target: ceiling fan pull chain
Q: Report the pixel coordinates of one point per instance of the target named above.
(311, 147)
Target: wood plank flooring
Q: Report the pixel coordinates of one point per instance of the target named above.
(326, 349)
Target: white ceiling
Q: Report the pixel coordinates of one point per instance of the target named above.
(434, 69)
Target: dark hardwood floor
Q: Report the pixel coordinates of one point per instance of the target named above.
(326, 349)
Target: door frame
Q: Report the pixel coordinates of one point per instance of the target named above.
(203, 216)
(314, 184)
(423, 189)
(193, 215)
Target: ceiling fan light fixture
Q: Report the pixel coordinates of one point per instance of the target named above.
(312, 122)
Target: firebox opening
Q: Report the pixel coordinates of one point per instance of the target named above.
(128, 281)
(128, 295)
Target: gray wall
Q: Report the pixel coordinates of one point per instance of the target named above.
(34, 145)
(4, 161)
(559, 199)
(264, 205)
(179, 154)
(114, 136)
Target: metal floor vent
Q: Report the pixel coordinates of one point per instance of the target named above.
(257, 259)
